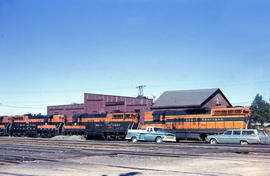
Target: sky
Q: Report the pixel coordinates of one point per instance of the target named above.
(54, 51)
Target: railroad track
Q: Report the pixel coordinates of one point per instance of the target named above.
(39, 150)
(71, 154)
(104, 144)
(124, 143)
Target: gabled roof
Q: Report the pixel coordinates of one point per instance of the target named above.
(186, 98)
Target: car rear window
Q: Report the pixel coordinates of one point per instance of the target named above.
(261, 133)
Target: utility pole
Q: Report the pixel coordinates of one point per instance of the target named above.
(140, 91)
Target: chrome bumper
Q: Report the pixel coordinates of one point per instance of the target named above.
(169, 139)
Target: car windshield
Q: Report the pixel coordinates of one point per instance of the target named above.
(158, 129)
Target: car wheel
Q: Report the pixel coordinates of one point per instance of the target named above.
(243, 142)
(213, 141)
(158, 140)
(134, 139)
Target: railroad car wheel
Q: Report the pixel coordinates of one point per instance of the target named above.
(213, 141)
(158, 140)
(134, 139)
(243, 142)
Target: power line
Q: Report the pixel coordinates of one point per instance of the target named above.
(66, 91)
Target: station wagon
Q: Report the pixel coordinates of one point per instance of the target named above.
(238, 136)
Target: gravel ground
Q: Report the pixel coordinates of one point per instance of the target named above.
(129, 166)
(71, 138)
(203, 160)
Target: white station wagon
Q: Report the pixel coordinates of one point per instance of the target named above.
(238, 136)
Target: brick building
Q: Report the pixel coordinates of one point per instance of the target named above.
(98, 103)
(183, 99)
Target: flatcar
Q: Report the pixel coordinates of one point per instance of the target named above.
(199, 122)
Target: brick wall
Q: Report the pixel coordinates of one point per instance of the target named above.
(98, 103)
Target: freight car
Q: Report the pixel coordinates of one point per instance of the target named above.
(199, 122)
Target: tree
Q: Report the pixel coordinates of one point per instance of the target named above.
(260, 110)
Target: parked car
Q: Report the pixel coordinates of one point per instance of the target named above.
(238, 136)
(150, 134)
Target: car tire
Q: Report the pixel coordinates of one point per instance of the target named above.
(213, 141)
(243, 142)
(134, 139)
(158, 140)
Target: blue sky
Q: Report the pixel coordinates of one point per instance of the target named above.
(53, 51)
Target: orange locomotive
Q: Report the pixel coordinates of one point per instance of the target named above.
(199, 122)
(4, 125)
(29, 125)
(52, 126)
(106, 126)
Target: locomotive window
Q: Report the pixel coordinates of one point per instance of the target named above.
(156, 118)
(218, 112)
(18, 118)
(238, 111)
(117, 116)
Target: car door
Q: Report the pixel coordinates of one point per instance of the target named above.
(236, 137)
(149, 135)
(226, 137)
(250, 136)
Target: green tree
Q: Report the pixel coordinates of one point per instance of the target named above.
(260, 110)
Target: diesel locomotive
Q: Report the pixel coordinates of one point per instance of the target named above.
(106, 126)
(199, 122)
(185, 124)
